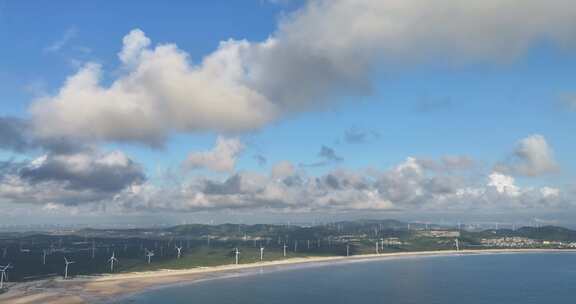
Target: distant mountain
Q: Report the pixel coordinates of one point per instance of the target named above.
(548, 233)
(539, 233)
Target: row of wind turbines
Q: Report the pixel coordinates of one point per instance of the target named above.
(237, 254)
(113, 260)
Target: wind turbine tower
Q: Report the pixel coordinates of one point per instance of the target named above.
(66, 267)
(112, 260)
(377, 247)
(149, 255)
(236, 255)
(285, 246)
(457, 245)
(347, 249)
(179, 252)
(261, 253)
(44, 253)
(3, 275)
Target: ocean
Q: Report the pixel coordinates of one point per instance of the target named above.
(473, 279)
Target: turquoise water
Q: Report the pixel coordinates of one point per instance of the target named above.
(474, 279)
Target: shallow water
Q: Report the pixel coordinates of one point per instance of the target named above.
(496, 278)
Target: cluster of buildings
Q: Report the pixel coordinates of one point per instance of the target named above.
(522, 242)
(393, 241)
(439, 233)
(510, 242)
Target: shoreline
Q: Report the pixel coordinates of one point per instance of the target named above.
(103, 288)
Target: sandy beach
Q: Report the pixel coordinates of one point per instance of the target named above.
(92, 289)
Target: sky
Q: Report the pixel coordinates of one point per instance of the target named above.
(287, 111)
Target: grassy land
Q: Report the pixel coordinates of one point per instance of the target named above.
(210, 256)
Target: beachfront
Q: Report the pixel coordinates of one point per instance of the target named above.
(106, 287)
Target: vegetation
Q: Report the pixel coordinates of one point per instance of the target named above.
(211, 245)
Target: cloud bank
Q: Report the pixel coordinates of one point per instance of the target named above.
(408, 186)
(69, 179)
(324, 50)
(112, 180)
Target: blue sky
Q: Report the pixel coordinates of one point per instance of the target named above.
(427, 107)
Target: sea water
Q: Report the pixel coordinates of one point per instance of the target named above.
(473, 279)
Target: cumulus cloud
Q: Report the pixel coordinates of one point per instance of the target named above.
(326, 49)
(503, 184)
(532, 157)
(221, 159)
(320, 51)
(69, 179)
(105, 172)
(14, 135)
(160, 92)
(283, 169)
(407, 186)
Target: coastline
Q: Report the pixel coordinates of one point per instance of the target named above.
(91, 289)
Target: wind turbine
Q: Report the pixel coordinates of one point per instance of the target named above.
(261, 253)
(3, 275)
(179, 251)
(112, 259)
(44, 253)
(236, 254)
(66, 267)
(149, 255)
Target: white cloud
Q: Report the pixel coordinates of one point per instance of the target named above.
(318, 52)
(406, 187)
(504, 184)
(221, 159)
(283, 169)
(160, 92)
(532, 157)
(81, 177)
(135, 43)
